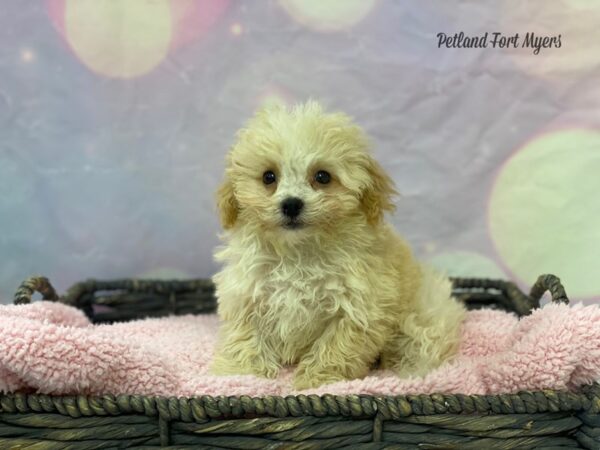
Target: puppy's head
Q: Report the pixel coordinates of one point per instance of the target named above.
(302, 170)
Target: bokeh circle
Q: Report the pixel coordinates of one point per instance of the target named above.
(544, 210)
(575, 21)
(121, 39)
(328, 15)
(462, 263)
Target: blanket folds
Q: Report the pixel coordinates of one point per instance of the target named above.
(51, 348)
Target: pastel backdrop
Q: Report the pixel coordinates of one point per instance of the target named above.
(115, 117)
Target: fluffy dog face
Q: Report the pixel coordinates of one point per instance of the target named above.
(298, 171)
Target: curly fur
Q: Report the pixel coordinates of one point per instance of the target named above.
(337, 294)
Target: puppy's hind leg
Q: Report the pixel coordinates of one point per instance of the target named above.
(430, 334)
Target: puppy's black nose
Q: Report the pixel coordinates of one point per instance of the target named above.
(291, 207)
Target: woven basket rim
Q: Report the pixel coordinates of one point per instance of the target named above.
(204, 407)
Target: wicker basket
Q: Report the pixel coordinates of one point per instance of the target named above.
(546, 419)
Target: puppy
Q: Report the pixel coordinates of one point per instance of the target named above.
(313, 275)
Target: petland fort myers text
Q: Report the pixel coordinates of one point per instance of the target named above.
(498, 40)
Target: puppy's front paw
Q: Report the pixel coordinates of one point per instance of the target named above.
(224, 366)
(304, 378)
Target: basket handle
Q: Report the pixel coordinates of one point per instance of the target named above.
(552, 284)
(31, 285)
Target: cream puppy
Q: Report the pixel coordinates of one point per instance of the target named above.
(313, 275)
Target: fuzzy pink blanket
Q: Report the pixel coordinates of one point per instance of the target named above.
(52, 348)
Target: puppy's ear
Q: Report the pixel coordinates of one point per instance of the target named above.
(227, 204)
(377, 195)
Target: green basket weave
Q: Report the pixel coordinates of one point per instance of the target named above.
(544, 419)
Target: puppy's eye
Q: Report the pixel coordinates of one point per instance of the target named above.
(322, 177)
(269, 177)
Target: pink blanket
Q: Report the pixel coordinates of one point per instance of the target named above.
(51, 348)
